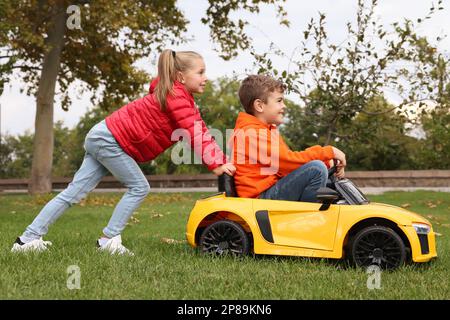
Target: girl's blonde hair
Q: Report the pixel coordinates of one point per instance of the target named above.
(169, 63)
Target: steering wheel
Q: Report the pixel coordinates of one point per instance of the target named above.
(333, 170)
(331, 177)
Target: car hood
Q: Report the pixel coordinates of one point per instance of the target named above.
(415, 217)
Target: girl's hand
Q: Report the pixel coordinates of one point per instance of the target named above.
(227, 168)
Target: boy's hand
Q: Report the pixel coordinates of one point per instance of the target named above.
(227, 168)
(339, 155)
(340, 172)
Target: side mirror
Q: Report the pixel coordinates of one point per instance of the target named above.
(326, 196)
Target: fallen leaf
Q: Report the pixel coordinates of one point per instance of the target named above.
(406, 205)
(431, 205)
(172, 241)
(133, 220)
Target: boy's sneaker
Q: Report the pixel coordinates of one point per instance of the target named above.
(37, 245)
(113, 246)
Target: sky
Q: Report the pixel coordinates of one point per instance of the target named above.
(18, 110)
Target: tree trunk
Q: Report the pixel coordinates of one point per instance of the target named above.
(331, 129)
(41, 169)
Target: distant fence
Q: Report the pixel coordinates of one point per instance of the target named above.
(400, 178)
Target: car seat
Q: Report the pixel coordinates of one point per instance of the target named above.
(226, 184)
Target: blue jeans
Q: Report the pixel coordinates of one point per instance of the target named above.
(103, 154)
(299, 185)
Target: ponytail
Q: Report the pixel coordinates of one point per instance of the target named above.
(167, 76)
(169, 63)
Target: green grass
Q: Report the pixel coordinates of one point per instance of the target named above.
(166, 269)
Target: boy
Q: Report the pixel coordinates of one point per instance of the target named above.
(265, 166)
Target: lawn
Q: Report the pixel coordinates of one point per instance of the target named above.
(165, 267)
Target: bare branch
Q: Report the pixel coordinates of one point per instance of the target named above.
(379, 112)
(26, 67)
(393, 108)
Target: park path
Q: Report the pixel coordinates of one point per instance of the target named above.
(368, 190)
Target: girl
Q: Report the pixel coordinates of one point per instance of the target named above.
(137, 132)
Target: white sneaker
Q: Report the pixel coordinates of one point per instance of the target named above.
(114, 246)
(37, 245)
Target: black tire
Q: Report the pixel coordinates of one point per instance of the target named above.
(225, 237)
(377, 245)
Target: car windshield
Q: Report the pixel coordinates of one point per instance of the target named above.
(353, 192)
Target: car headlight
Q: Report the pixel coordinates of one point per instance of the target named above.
(421, 228)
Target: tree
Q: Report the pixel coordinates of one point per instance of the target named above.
(434, 150)
(54, 42)
(16, 154)
(378, 142)
(371, 142)
(338, 81)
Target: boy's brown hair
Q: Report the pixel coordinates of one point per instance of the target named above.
(257, 87)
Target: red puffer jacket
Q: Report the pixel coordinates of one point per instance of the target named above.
(144, 131)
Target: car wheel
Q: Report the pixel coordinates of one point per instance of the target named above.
(225, 237)
(377, 245)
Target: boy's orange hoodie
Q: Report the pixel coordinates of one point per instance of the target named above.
(254, 147)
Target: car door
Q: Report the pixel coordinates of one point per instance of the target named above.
(297, 224)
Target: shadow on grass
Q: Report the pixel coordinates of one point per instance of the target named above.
(338, 264)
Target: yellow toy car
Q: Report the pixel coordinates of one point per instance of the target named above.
(342, 225)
